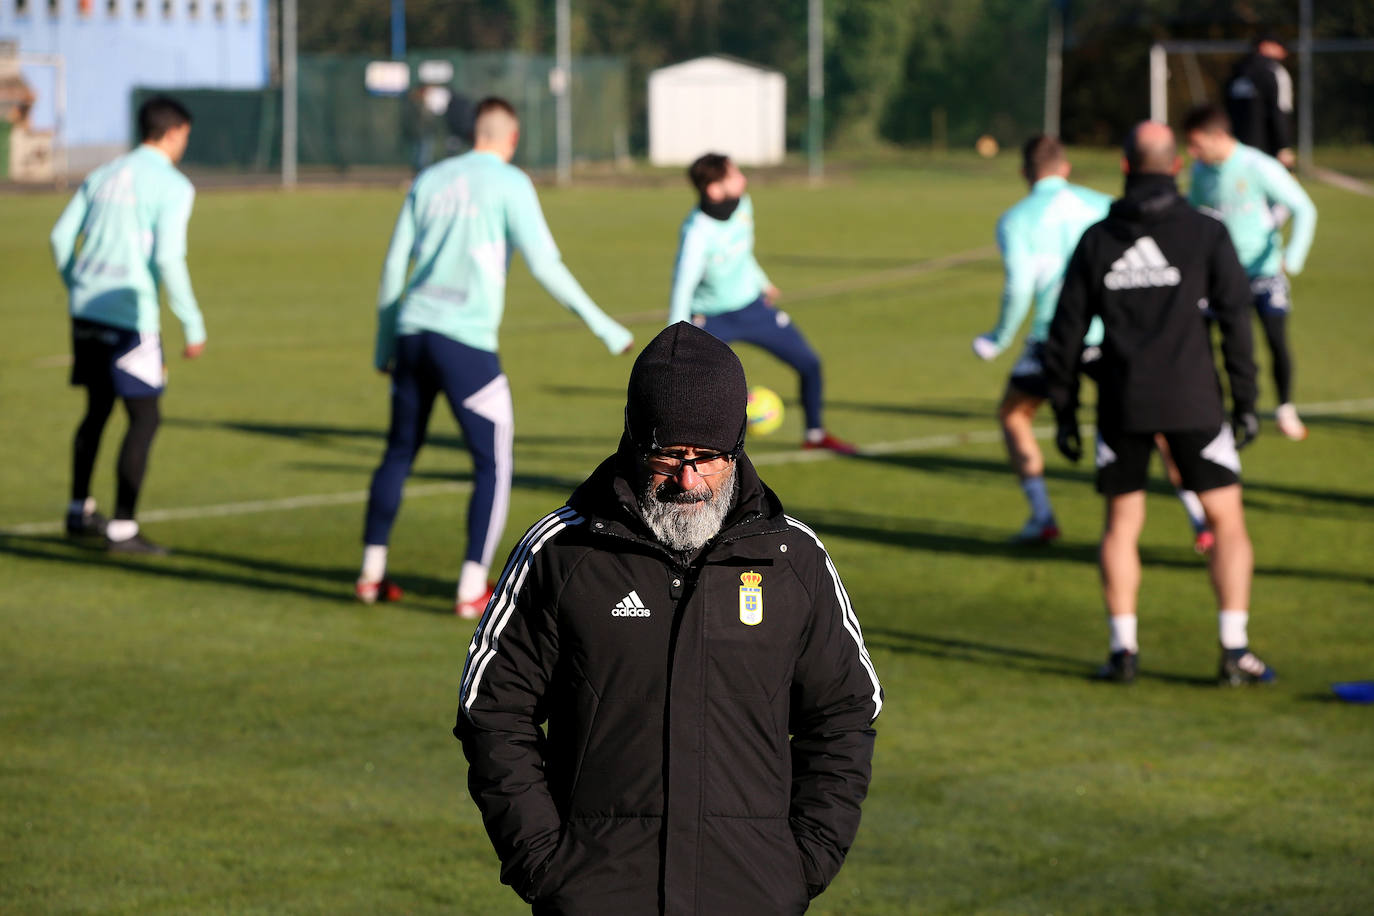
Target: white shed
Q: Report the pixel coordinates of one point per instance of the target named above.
(717, 104)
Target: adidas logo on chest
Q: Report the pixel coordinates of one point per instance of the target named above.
(631, 606)
(1142, 265)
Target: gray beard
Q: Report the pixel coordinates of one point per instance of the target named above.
(686, 520)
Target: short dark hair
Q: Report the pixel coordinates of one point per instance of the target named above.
(1153, 157)
(494, 103)
(160, 114)
(1040, 154)
(707, 169)
(1207, 118)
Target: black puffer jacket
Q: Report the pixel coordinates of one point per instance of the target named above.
(626, 712)
(1155, 270)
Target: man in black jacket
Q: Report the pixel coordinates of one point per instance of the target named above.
(629, 693)
(1259, 101)
(1154, 270)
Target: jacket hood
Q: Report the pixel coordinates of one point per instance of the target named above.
(1149, 199)
(610, 495)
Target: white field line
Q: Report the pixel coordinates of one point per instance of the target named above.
(877, 278)
(353, 497)
(1344, 182)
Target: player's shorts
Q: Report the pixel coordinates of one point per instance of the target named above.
(128, 362)
(1028, 374)
(1206, 459)
(1271, 295)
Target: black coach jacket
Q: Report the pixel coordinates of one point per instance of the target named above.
(1155, 270)
(646, 734)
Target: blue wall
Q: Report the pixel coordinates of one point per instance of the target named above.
(107, 54)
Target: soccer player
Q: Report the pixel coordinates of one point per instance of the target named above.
(718, 285)
(1259, 101)
(1144, 270)
(442, 295)
(1036, 237)
(1243, 185)
(120, 239)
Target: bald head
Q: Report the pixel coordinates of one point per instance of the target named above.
(496, 128)
(1151, 150)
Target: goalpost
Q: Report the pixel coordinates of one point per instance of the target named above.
(1188, 51)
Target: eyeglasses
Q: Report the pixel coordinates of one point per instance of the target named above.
(703, 465)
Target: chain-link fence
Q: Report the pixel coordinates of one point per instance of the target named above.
(343, 126)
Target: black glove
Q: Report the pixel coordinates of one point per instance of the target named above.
(1245, 426)
(1066, 437)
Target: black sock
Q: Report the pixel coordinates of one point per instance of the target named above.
(133, 454)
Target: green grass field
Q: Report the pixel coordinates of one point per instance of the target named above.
(226, 731)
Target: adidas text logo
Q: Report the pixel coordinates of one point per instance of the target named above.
(630, 606)
(1142, 265)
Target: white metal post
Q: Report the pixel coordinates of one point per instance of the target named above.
(815, 87)
(1159, 84)
(563, 90)
(1305, 84)
(288, 93)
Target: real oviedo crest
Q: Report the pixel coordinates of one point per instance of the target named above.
(751, 599)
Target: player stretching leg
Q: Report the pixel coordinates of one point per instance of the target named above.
(1036, 237)
(129, 218)
(1244, 186)
(440, 305)
(719, 286)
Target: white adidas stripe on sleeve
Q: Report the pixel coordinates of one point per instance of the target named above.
(486, 639)
(850, 619)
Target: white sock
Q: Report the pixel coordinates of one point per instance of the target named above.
(1038, 497)
(815, 435)
(81, 506)
(1122, 627)
(374, 563)
(1193, 506)
(121, 529)
(472, 581)
(1232, 628)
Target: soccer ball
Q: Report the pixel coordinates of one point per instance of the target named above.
(764, 410)
(986, 146)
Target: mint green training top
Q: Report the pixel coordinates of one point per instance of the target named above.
(716, 271)
(1037, 237)
(1243, 189)
(130, 218)
(457, 226)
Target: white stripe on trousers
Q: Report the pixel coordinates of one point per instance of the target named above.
(492, 402)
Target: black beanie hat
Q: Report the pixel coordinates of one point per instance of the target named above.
(687, 388)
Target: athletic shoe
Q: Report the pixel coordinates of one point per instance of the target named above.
(472, 610)
(1286, 416)
(372, 592)
(89, 525)
(1119, 668)
(1205, 541)
(1240, 667)
(1037, 531)
(827, 441)
(136, 545)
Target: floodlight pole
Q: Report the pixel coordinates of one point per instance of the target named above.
(398, 29)
(1305, 84)
(288, 93)
(815, 127)
(1054, 69)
